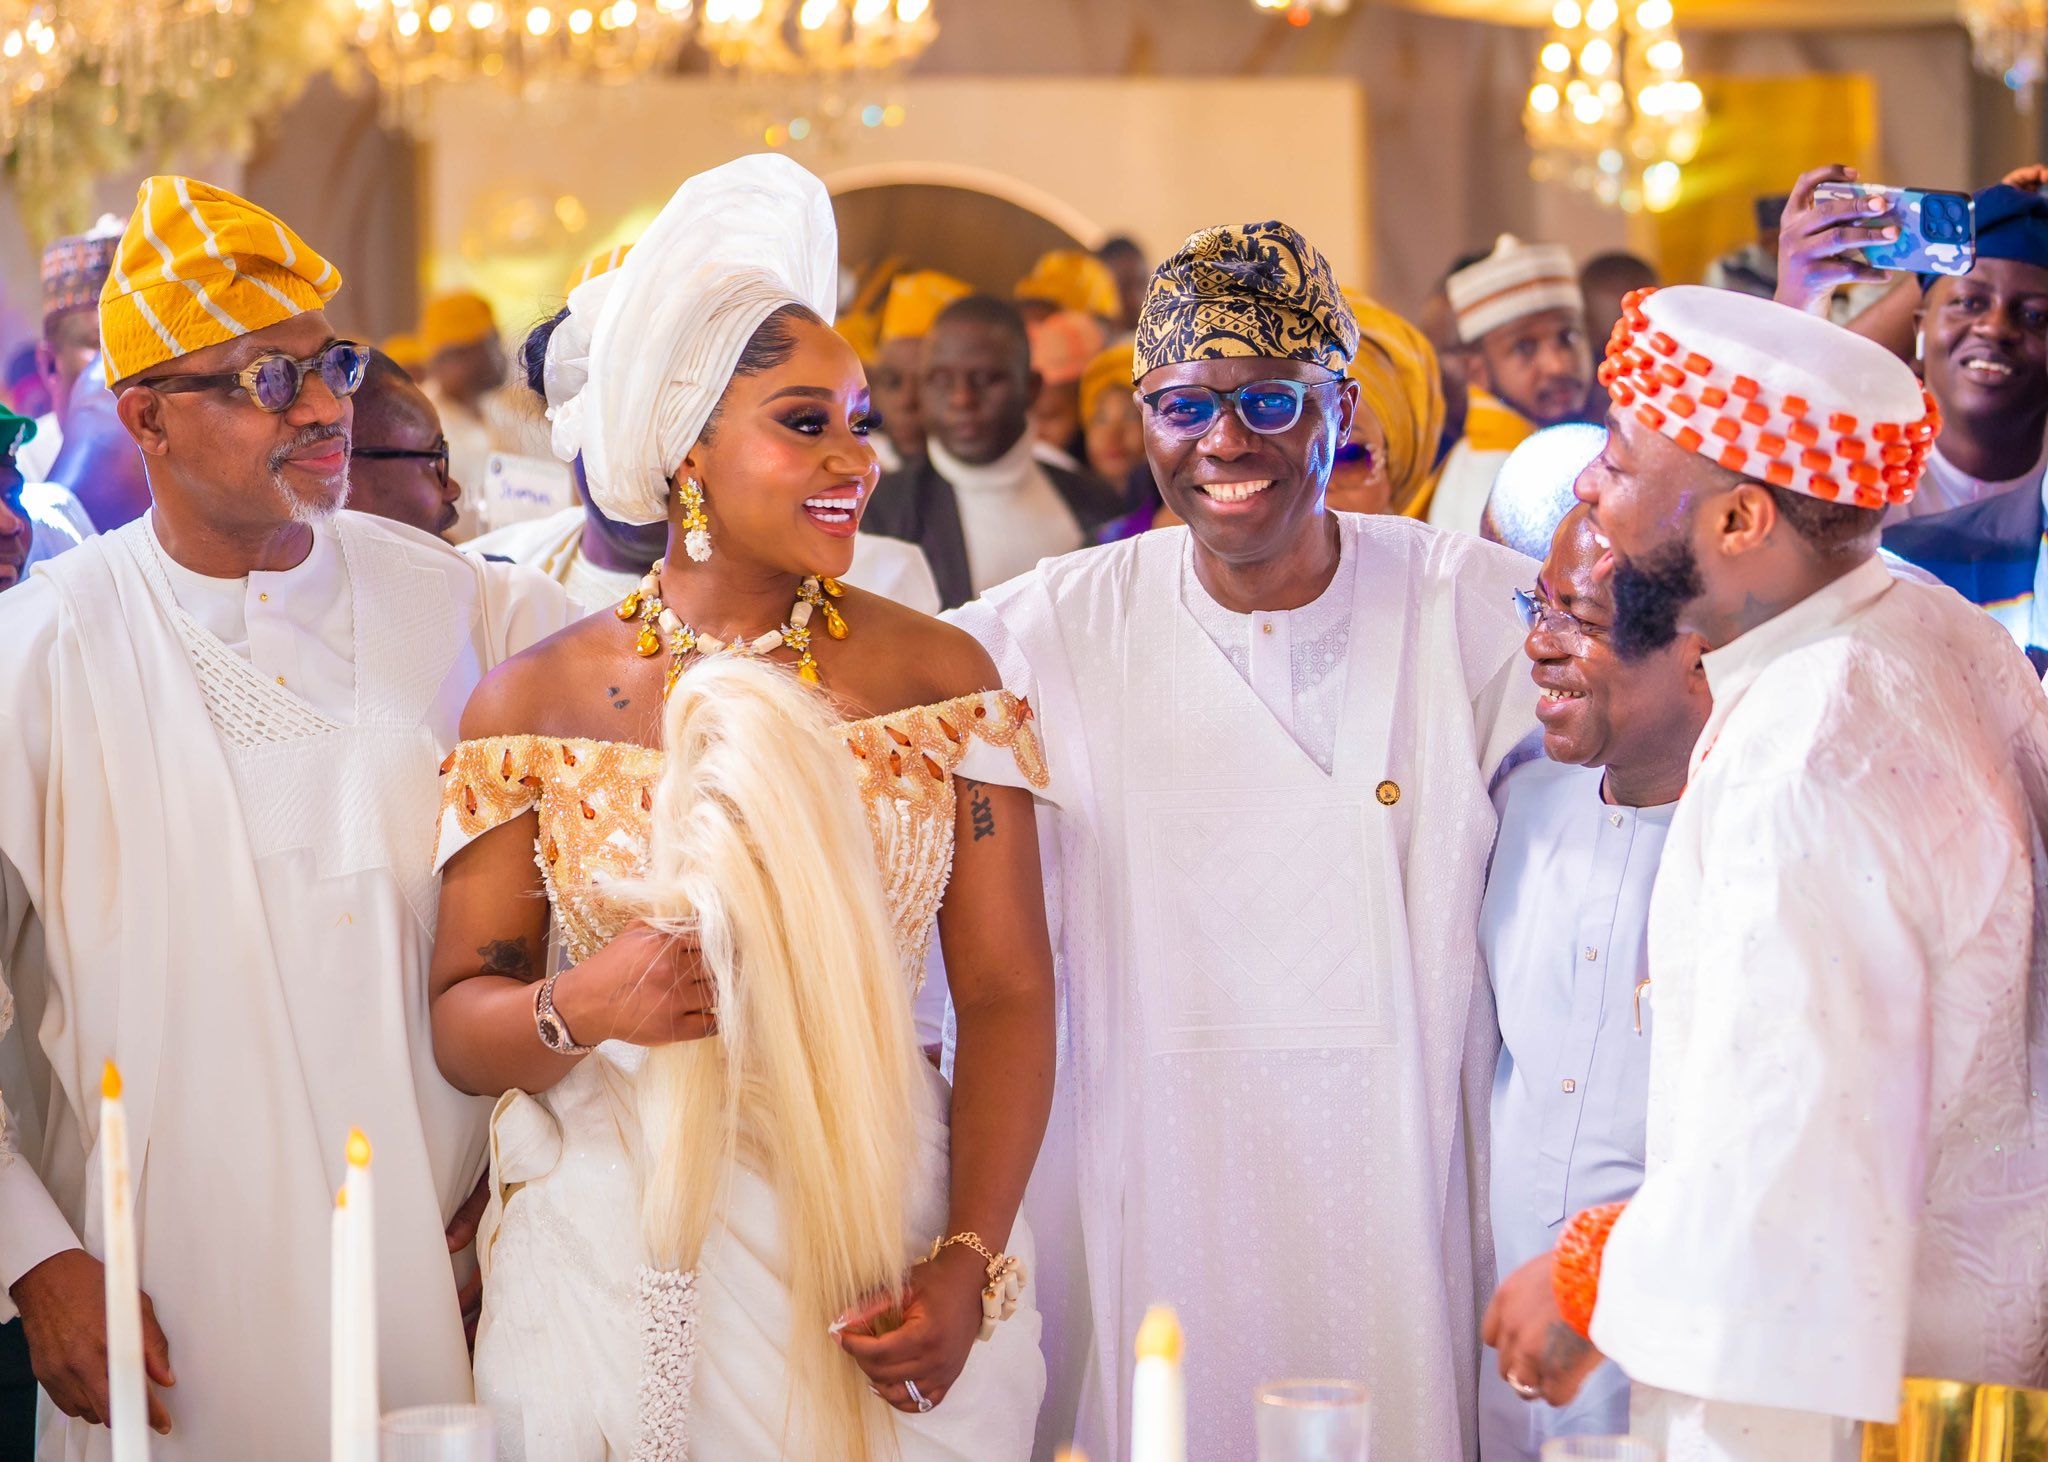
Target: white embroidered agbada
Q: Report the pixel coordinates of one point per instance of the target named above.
(1848, 1122)
(1273, 1087)
(226, 885)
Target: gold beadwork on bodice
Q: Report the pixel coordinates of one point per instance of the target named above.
(595, 800)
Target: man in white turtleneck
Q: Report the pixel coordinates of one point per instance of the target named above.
(981, 503)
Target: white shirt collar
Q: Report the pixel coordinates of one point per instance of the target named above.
(1006, 474)
(1734, 667)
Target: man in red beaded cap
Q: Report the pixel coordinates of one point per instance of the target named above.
(1848, 1122)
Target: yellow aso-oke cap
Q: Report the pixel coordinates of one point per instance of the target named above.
(1397, 376)
(603, 262)
(457, 319)
(1073, 281)
(1109, 371)
(408, 352)
(915, 300)
(198, 266)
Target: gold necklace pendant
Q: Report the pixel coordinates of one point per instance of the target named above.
(645, 604)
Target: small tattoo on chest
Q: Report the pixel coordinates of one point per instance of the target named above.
(619, 702)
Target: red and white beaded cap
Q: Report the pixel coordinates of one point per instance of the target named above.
(1784, 397)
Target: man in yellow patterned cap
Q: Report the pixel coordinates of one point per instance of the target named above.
(1271, 734)
(220, 726)
(482, 411)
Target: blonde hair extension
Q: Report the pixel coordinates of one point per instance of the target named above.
(760, 840)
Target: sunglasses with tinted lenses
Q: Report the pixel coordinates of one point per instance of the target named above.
(1266, 407)
(274, 381)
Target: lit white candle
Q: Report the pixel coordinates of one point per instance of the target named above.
(1159, 1396)
(355, 1315)
(338, 1347)
(127, 1385)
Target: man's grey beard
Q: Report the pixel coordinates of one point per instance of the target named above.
(306, 510)
(297, 508)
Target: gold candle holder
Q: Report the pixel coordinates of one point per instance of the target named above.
(1961, 1421)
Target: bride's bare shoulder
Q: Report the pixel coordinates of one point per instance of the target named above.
(935, 661)
(529, 693)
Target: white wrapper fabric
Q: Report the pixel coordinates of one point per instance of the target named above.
(1278, 1043)
(733, 246)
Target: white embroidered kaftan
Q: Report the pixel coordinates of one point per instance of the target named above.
(1273, 1084)
(226, 885)
(1848, 1119)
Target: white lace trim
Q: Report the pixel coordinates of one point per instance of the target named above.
(666, 1301)
(245, 709)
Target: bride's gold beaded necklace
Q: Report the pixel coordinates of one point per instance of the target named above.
(813, 595)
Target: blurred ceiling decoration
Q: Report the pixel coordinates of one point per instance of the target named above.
(812, 71)
(1724, 14)
(2010, 41)
(95, 87)
(1301, 12)
(526, 45)
(1610, 110)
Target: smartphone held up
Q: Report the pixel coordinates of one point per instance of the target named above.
(1937, 229)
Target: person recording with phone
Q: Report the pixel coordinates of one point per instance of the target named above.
(1980, 340)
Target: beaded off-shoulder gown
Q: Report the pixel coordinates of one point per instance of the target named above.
(560, 1354)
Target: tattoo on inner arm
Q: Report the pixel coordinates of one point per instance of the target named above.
(508, 957)
(981, 811)
(1563, 1348)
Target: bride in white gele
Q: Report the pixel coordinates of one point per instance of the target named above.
(735, 1213)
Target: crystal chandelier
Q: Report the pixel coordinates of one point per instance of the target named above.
(522, 44)
(2010, 41)
(1610, 110)
(818, 38)
(811, 69)
(34, 55)
(1301, 12)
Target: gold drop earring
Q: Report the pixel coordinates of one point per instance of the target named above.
(696, 527)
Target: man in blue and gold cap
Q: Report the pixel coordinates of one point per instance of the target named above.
(220, 728)
(1982, 341)
(1271, 733)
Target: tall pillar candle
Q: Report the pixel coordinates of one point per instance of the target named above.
(355, 1316)
(1159, 1397)
(128, 1387)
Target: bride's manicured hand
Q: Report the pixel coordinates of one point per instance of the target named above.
(647, 986)
(941, 1310)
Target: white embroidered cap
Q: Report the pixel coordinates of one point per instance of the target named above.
(1515, 281)
(733, 246)
(1772, 393)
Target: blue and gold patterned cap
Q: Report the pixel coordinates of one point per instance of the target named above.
(1254, 289)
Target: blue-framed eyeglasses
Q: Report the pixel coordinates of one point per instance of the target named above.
(1266, 407)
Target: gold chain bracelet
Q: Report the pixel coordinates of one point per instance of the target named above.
(1005, 1285)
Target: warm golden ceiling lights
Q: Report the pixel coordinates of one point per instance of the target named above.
(1610, 109)
(523, 44)
(816, 38)
(1301, 12)
(2010, 40)
(34, 55)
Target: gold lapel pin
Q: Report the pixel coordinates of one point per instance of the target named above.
(1388, 792)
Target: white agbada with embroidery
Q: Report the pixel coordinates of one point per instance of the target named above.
(224, 882)
(1848, 1121)
(1273, 1088)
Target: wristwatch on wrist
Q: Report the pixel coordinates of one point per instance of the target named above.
(554, 1032)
